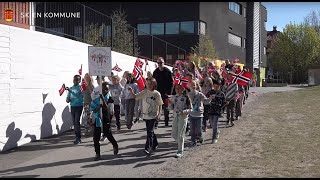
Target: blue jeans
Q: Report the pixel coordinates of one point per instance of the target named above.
(76, 114)
(214, 123)
(195, 125)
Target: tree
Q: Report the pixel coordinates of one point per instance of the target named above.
(203, 51)
(124, 37)
(295, 50)
(98, 35)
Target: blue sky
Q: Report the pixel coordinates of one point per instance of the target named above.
(281, 13)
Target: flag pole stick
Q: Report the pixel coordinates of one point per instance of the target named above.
(100, 83)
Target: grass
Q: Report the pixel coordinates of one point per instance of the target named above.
(291, 139)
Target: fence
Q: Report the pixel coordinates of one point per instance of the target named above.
(92, 27)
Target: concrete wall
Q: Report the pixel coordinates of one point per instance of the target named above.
(313, 77)
(33, 66)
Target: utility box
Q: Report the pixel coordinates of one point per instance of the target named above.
(314, 76)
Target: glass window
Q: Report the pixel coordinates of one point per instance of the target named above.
(202, 28)
(187, 27)
(172, 28)
(157, 28)
(235, 7)
(234, 39)
(143, 29)
(106, 31)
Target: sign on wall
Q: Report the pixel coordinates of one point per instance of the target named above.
(99, 61)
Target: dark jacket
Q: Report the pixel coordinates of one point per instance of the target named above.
(164, 81)
(215, 106)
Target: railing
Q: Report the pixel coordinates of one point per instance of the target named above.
(92, 27)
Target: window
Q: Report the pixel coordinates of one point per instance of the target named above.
(106, 31)
(187, 27)
(169, 57)
(143, 29)
(234, 40)
(202, 29)
(181, 56)
(235, 7)
(244, 12)
(157, 28)
(172, 28)
(244, 43)
(264, 50)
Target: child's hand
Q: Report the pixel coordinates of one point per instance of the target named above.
(67, 88)
(130, 89)
(68, 100)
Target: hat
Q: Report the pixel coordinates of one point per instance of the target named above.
(101, 76)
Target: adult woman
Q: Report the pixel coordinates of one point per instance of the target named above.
(87, 121)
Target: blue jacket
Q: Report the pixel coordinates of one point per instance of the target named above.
(95, 103)
(75, 96)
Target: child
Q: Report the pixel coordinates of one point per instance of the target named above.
(151, 106)
(106, 121)
(214, 108)
(180, 103)
(207, 86)
(116, 93)
(129, 99)
(231, 92)
(197, 99)
(75, 98)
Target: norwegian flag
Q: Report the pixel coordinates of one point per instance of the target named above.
(241, 78)
(178, 62)
(239, 94)
(116, 68)
(80, 70)
(223, 73)
(183, 81)
(62, 89)
(139, 63)
(236, 61)
(138, 76)
(83, 86)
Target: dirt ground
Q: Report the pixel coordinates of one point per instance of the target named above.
(277, 136)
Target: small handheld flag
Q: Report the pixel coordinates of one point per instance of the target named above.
(62, 89)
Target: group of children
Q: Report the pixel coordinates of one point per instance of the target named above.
(192, 107)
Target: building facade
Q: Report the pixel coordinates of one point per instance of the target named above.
(238, 29)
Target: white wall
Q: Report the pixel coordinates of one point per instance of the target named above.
(33, 66)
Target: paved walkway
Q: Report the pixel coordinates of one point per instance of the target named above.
(58, 157)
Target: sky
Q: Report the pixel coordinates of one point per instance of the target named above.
(281, 13)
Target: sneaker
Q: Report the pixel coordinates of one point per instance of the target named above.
(205, 129)
(147, 152)
(201, 140)
(232, 124)
(135, 121)
(97, 158)
(218, 134)
(193, 144)
(115, 150)
(179, 154)
(103, 138)
(77, 141)
(214, 141)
